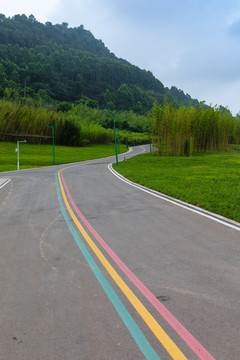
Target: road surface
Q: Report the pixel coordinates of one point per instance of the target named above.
(94, 268)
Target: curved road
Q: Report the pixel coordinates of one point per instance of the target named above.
(93, 268)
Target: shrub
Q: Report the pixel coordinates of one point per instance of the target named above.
(69, 134)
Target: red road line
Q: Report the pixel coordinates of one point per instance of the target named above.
(189, 339)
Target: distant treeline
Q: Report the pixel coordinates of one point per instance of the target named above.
(54, 62)
(184, 130)
(80, 125)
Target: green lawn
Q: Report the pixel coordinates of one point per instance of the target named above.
(42, 155)
(210, 181)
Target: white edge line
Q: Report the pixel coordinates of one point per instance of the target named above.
(5, 183)
(182, 204)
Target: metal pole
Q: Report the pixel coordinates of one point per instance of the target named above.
(17, 150)
(114, 127)
(149, 139)
(115, 140)
(118, 142)
(53, 145)
(18, 155)
(53, 127)
(149, 136)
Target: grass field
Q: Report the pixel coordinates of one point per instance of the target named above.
(210, 181)
(31, 156)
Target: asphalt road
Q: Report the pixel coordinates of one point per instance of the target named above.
(120, 275)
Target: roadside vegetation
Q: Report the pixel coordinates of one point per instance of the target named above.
(207, 180)
(32, 156)
(78, 125)
(185, 130)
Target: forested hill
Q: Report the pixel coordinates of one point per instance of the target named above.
(55, 62)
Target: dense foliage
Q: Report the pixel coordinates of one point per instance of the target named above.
(54, 62)
(181, 131)
(55, 75)
(80, 125)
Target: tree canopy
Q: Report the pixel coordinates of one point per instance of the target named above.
(55, 62)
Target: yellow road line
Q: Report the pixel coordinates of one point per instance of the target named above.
(157, 330)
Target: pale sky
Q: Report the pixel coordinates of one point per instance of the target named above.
(191, 44)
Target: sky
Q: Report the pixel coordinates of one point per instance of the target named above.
(190, 44)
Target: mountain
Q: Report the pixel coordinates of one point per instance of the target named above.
(58, 63)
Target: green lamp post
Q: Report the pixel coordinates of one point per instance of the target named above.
(53, 127)
(149, 139)
(118, 141)
(114, 127)
(150, 145)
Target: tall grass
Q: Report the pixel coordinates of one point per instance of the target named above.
(95, 133)
(181, 131)
(20, 120)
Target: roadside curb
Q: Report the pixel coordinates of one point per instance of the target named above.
(215, 217)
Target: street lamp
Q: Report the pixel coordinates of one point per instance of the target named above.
(148, 128)
(114, 127)
(149, 139)
(53, 127)
(118, 145)
(17, 151)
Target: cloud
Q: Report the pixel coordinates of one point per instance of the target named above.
(81, 12)
(184, 43)
(234, 29)
(40, 9)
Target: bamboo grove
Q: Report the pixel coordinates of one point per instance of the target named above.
(81, 125)
(184, 130)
